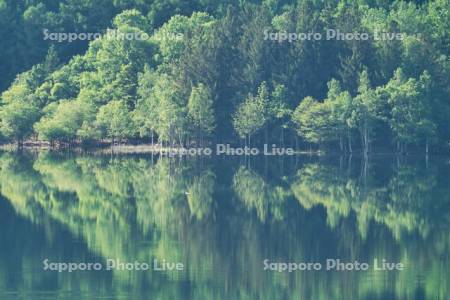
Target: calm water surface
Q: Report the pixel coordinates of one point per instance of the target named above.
(222, 218)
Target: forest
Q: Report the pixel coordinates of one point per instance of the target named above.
(206, 72)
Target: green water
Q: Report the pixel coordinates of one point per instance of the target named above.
(221, 218)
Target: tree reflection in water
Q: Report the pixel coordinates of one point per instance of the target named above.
(222, 219)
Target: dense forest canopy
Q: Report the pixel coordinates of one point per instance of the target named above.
(221, 71)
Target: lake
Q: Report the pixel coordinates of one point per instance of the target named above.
(238, 228)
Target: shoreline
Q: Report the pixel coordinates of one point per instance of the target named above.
(156, 149)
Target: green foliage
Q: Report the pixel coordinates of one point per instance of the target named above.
(131, 18)
(252, 114)
(187, 60)
(312, 120)
(115, 120)
(171, 112)
(341, 104)
(17, 119)
(364, 110)
(63, 120)
(410, 120)
(200, 109)
(172, 37)
(279, 107)
(145, 115)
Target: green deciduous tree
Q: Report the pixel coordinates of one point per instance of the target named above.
(115, 120)
(201, 111)
(364, 116)
(252, 114)
(313, 121)
(145, 116)
(341, 104)
(171, 111)
(279, 109)
(63, 120)
(17, 119)
(410, 110)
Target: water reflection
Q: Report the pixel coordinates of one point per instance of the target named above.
(221, 219)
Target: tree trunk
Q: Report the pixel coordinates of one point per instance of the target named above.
(366, 141)
(266, 134)
(350, 142)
